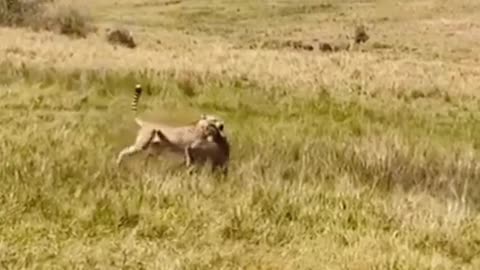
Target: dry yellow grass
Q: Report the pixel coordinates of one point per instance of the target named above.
(435, 55)
(360, 159)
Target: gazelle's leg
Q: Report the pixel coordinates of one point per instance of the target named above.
(189, 152)
(188, 156)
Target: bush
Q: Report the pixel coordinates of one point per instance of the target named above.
(19, 12)
(360, 35)
(122, 37)
(61, 17)
(67, 19)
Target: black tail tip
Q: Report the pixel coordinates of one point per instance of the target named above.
(138, 88)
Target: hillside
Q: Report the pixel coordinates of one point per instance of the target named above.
(344, 155)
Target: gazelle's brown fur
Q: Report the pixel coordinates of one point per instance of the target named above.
(213, 146)
(215, 149)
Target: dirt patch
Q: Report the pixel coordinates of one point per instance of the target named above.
(303, 45)
(292, 44)
(359, 36)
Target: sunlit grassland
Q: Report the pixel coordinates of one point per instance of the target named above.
(361, 159)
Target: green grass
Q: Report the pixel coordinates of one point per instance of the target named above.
(350, 160)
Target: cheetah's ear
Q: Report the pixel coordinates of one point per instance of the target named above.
(203, 116)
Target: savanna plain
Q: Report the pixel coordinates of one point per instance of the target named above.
(365, 156)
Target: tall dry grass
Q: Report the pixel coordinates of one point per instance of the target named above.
(351, 160)
(61, 16)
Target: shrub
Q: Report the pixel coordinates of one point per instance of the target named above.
(19, 12)
(122, 37)
(360, 35)
(66, 18)
(62, 17)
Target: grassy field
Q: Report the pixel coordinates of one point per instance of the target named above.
(357, 159)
